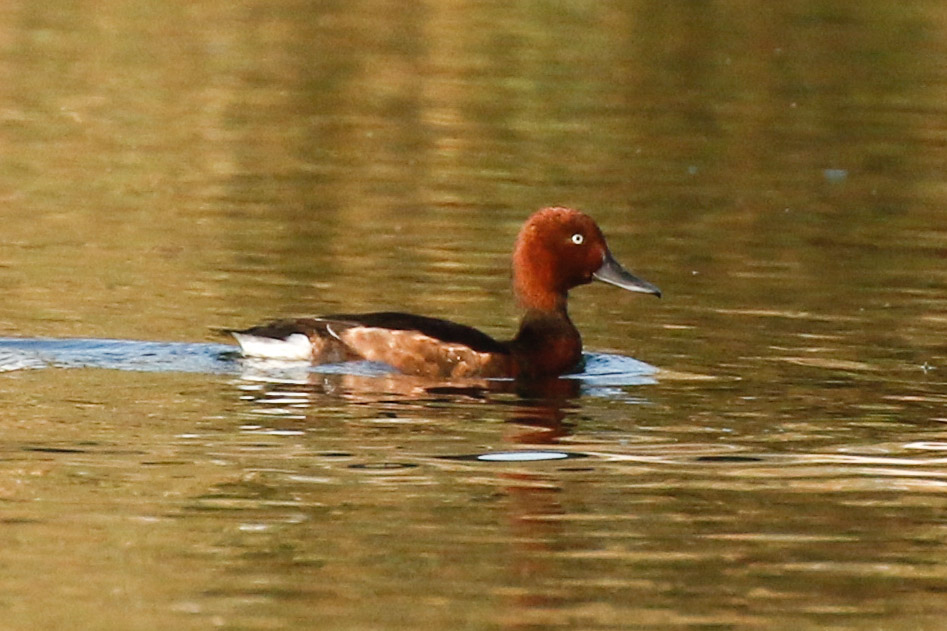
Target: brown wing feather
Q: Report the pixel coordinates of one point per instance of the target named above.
(415, 353)
(412, 344)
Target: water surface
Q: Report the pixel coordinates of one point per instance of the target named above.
(778, 459)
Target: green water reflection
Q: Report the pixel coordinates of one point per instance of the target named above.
(777, 168)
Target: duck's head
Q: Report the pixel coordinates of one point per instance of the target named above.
(561, 248)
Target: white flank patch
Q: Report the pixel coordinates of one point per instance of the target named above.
(295, 347)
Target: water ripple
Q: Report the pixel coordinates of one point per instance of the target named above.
(602, 370)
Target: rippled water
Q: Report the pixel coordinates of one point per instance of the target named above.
(774, 456)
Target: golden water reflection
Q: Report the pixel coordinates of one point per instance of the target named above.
(170, 169)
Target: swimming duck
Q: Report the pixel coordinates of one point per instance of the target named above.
(556, 249)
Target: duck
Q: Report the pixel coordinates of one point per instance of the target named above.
(556, 250)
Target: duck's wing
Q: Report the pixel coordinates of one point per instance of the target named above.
(412, 344)
(443, 331)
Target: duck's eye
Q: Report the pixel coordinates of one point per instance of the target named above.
(577, 238)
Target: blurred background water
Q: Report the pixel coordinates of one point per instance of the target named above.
(168, 169)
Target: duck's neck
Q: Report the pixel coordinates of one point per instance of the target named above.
(547, 343)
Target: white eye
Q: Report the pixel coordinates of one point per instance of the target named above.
(577, 238)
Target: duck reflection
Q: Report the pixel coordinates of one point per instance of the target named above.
(381, 460)
(536, 408)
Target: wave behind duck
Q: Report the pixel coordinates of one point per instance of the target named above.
(600, 370)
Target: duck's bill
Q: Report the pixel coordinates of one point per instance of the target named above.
(613, 273)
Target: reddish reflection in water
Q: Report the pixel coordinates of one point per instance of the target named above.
(535, 410)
